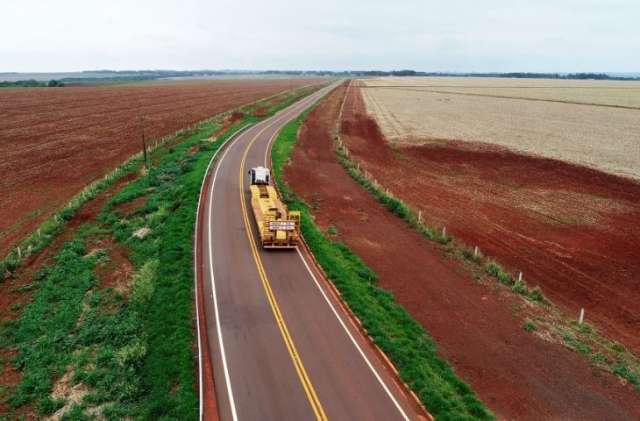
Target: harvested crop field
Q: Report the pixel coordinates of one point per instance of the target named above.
(518, 375)
(55, 141)
(592, 123)
(569, 229)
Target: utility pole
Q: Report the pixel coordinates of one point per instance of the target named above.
(144, 142)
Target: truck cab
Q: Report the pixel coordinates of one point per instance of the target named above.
(260, 176)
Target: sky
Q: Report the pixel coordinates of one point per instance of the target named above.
(451, 35)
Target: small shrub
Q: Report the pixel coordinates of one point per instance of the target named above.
(468, 254)
(530, 326)
(519, 287)
(618, 347)
(332, 230)
(143, 281)
(622, 370)
(493, 268)
(131, 354)
(535, 294)
(585, 328)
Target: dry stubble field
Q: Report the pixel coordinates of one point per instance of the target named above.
(54, 141)
(570, 229)
(592, 123)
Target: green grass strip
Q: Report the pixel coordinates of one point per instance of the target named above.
(133, 352)
(403, 339)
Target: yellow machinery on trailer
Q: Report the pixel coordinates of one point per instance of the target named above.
(277, 227)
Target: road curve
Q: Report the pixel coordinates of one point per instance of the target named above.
(275, 339)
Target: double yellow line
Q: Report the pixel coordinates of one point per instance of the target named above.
(286, 336)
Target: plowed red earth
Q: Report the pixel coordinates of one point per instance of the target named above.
(571, 230)
(518, 375)
(55, 141)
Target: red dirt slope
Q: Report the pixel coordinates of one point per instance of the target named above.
(518, 375)
(572, 230)
(55, 141)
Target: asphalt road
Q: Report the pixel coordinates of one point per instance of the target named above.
(275, 338)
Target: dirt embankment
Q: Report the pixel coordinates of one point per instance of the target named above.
(569, 229)
(53, 142)
(518, 375)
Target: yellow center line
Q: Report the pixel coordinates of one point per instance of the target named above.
(286, 336)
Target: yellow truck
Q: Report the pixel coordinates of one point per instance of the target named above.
(277, 227)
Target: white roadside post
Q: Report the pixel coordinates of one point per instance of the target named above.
(581, 318)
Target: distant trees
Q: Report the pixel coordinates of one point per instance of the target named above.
(31, 83)
(112, 77)
(55, 84)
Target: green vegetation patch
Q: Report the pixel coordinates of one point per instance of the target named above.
(124, 353)
(45, 334)
(403, 339)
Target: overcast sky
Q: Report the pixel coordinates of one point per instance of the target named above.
(446, 35)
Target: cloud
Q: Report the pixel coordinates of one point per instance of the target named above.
(457, 35)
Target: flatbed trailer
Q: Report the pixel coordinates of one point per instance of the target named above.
(278, 228)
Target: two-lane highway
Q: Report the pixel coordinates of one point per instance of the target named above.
(280, 344)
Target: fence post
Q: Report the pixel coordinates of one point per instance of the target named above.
(581, 318)
(520, 277)
(419, 217)
(444, 232)
(475, 251)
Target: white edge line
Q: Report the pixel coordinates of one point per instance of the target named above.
(344, 326)
(335, 312)
(231, 139)
(213, 286)
(195, 268)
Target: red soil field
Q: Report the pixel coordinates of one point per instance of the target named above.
(54, 141)
(571, 230)
(518, 375)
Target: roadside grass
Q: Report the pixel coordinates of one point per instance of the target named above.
(131, 352)
(42, 355)
(403, 339)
